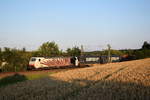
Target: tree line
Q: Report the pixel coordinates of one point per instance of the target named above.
(126, 54)
(18, 59)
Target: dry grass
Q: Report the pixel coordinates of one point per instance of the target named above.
(115, 81)
(131, 83)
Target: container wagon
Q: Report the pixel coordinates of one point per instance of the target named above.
(93, 59)
(98, 59)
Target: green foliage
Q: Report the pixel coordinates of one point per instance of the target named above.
(146, 45)
(116, 52)
(104, 52)
(75, 51)
(129, 52)
(36, 53)
(48, 49)
(143, 53)
(0, 57)
(112, 52)
(139, 53)
(15, 60)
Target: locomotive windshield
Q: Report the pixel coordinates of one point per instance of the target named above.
(33, 59)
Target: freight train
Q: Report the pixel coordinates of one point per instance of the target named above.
(57, 62)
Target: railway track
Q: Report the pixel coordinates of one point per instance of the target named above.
(40, 71)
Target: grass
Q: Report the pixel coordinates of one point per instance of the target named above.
(38, 76)
(20, 78)
(119, 81)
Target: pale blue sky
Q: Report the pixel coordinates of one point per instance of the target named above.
(123, 24)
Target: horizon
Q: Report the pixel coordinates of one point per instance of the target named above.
(93, 24)
(84, 49)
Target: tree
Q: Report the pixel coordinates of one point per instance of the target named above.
(75, 51)
(0, 57)
(146, 45)
(49, 49)
(7, 54)
(14, 59)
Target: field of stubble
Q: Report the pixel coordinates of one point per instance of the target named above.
(116, 81)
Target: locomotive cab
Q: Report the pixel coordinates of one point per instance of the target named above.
(35, 62)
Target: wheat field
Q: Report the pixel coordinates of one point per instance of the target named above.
(115, 81)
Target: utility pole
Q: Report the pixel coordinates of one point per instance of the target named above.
(82, 50)
(109, 47)
(81, 57)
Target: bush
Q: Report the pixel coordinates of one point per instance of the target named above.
(143, 53)
(15, 60)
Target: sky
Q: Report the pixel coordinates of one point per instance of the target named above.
(124, 24)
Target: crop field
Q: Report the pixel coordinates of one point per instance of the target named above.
(115, 81)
